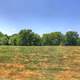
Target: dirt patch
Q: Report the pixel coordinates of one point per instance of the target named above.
(66, 75)
(47, 65)
(7, 65)
(11, 71)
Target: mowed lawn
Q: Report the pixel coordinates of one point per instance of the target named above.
(39, 63)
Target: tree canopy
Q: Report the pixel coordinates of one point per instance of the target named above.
(27, 37)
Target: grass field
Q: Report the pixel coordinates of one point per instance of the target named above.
(39, 63)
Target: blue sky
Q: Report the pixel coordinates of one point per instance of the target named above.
(41, 16)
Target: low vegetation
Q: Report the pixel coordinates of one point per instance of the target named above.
(39, 63)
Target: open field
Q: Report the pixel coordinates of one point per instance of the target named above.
(39, 63)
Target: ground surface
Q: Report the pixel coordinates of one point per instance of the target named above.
(39, 63)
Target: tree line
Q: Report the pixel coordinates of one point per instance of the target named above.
(27, 37)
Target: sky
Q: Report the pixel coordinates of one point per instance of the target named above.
(42, 16)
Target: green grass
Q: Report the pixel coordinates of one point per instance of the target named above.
(46, 60)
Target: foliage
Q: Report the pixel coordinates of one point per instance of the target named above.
(3, 39)
(29, 38)
(71, 38)
(53, 38)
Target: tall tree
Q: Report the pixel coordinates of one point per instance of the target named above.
(46, 39)
(28, 38)
(78, 41)
(71, 38)
(13, 39)
(53, 38)
(36, 40)
(3, 39)
(24, 37)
